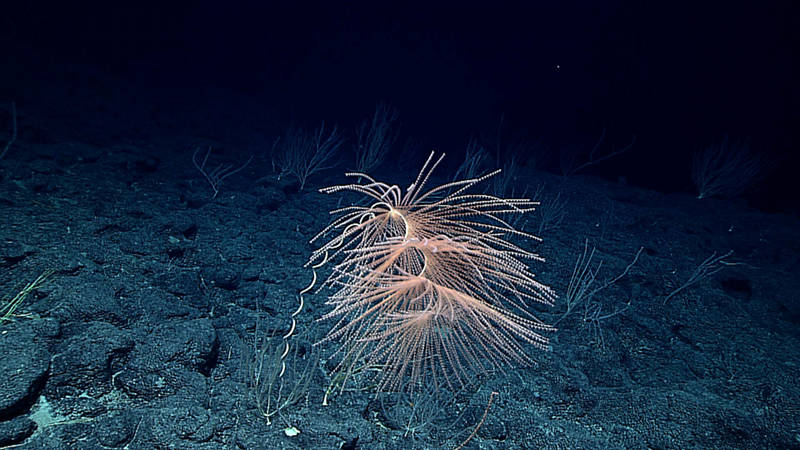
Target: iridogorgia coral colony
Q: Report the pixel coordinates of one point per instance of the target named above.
(429, 291)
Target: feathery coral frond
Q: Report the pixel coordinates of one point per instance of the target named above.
(428, 288)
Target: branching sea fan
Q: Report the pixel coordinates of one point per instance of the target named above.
(428, 288)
